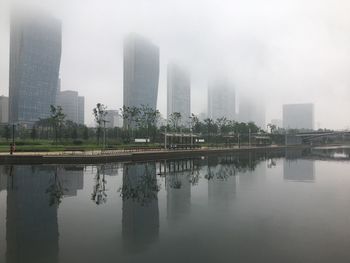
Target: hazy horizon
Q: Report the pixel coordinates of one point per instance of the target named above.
(289, 51)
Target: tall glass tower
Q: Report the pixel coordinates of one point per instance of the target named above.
(35, 56)
(141, 72)
(179, 92)
(221, 100)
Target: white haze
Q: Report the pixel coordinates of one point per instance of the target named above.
(282, 51)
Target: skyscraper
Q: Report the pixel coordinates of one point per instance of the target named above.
(252, 110)
(141, 72)
(4, 109)
(298, 116)
(35, 56)
(221, 100)
(179, 92)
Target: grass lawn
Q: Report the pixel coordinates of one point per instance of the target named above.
(49, 146)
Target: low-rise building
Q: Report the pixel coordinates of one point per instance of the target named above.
(72, 105)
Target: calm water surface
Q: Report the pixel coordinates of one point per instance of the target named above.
(283, 207)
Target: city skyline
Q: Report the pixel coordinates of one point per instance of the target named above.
(292, 65)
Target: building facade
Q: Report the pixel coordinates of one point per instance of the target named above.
(221, 100)
(178, 92)
(4, 109)
(35, 56)
(81, 110)
(141, 72)
(298, 116)
(72, 105)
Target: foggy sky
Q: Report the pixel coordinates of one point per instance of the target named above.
(281, 51)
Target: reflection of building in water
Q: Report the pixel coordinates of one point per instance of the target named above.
(178, 187)
(31, 228)
(72, 179)
(140, 206)
(32, 202)
(298, 170)
(111, 169)
(3, 177)
(221, 181)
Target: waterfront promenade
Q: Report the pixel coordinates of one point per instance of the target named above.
(100, 156)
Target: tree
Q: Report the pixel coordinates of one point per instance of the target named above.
(210, 125)
(33, 133)
(273, 128)
(221, 123)
(7, 132)
(131, 118)
(147, 119)
(57, 120)
(175, 119)
(100, 114)
(85, 133)
(74, 134)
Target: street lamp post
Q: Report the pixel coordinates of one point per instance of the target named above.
(191, 130)
(12, 147)
(250, 143)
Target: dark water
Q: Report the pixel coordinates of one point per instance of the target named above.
(283, 207)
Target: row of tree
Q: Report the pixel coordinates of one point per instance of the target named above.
(138, 122)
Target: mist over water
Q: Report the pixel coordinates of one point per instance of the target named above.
(276, 52)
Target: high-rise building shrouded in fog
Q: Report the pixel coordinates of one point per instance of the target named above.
(4, 109)
(252, 110)
(221, 100)
(141, 72)
(179, 92)
(35, 56)
(298, 116)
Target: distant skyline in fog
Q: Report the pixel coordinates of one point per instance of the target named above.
(282, 51)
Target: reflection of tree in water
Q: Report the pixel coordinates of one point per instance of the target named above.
(194, 177)
(99, 195)
(271, 163)
(176, 182)
(142, 188)
(221, 168)
(55, 190)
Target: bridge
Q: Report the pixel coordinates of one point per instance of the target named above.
(309, 136)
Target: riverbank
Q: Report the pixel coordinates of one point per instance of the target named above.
(94, 157)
